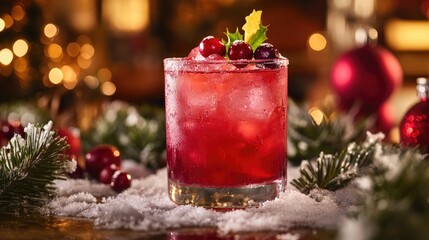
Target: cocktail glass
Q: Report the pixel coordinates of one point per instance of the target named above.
(226, 131)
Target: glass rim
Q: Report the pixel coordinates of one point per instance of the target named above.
(283, 60)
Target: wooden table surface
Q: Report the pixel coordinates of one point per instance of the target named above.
(51, 227)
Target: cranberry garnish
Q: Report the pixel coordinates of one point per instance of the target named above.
(211, 45)
(100, 157)
(266, 51)
(239, 50)
(120, 181)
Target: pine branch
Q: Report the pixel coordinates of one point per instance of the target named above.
(333, 172)
(28, 168)
(396, 201)
(307, 138)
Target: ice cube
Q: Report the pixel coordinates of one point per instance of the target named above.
(248, 102)
(200, 96)
(195, 54)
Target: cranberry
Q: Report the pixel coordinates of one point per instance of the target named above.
(239, 50)
(120, 181)
(266, 51)
(107, 173)
(211, 45)
(100, 157)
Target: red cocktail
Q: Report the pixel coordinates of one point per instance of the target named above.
(226, 130)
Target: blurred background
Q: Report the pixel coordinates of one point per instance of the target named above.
(70, 55)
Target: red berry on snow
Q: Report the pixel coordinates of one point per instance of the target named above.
(100, 157)
(107, 173)
(120, 181)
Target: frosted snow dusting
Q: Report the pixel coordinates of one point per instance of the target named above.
(146, 206)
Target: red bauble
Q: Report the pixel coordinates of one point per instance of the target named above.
(414, 127)
(100, 157)
(366, 76)
(8, 130)
(73, 140)
(384, 119)
(107, 173)
(120, 181)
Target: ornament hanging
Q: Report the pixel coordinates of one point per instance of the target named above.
(365, 77)
(414, 127)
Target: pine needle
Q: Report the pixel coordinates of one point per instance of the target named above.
(333, 172)
(28, 168)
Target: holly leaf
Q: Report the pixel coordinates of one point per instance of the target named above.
(259, 37)
(231, 37)
(254, 31)
(253, 22)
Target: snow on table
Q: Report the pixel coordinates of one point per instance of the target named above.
(146, 206)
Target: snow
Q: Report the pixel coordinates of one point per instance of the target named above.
(145, 206)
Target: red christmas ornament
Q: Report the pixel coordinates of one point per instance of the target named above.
(366, 76)
(414, 127)
(73, 140)
(384, 119)
(100, 157)
(8, 130)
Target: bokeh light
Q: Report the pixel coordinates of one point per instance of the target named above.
(6, 56)
(18, 13)
(54, 51)
(87, 51)
(69, 75)
(20, 47)
(55, 75)
(73, 49)
(20, 65)
(108, 88)
(50, 30)
(84, 63)
(317, 115)
(104, 74)
(317, 42)
(91, 81)
(2, 24)
(8, 20)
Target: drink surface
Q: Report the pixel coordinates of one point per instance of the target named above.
(226, 125)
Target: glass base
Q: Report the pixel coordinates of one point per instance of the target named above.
(224, 198)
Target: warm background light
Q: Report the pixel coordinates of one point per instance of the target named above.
(6, 56)
(18, 13)
(55, 75)
(73, 49)
(108, 88)
(2, 24)
(54, 51)
(87, 51)
(407, 35)
(20, 48)
(8, 20)
(50, 30)
(126, 15)
(104, 75)
(317, 42)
